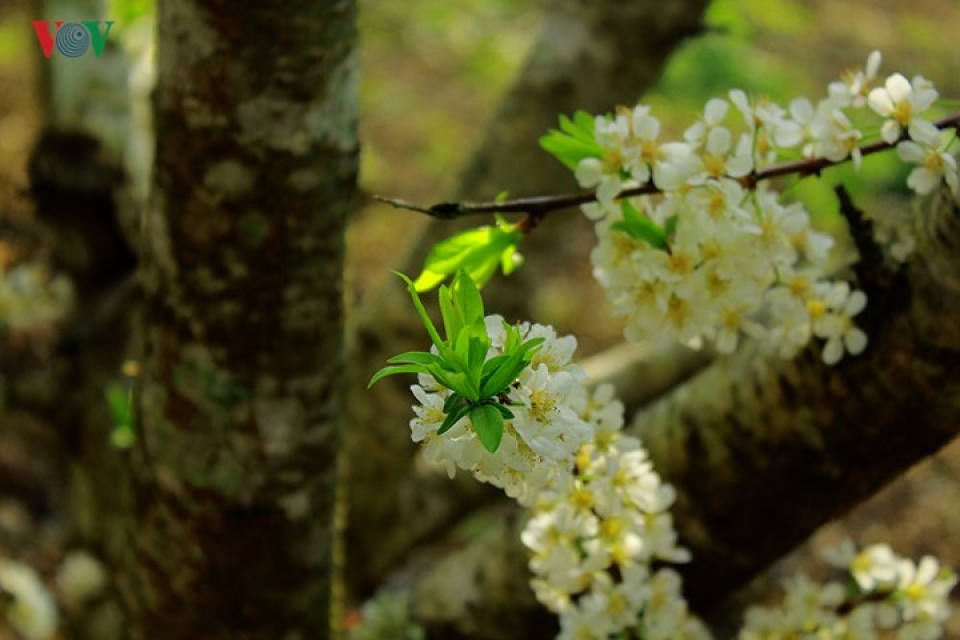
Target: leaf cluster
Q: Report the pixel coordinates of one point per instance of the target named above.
(477, 251)
(461, 364)
(574, 141)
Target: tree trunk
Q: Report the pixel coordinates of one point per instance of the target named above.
(231, 522)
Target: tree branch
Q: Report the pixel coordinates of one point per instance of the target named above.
(542, 205)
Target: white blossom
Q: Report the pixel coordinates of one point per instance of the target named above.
(936, 165)
(902, 102)
(31, 611)
(80, 577)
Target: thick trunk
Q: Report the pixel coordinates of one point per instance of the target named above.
(231, 526)
(589, 55)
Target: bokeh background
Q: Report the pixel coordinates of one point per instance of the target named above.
(433, 72)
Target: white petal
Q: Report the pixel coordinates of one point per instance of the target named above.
(898, 87)
(922, 180)
(890, 131)
(855, 304)
(910, 151)
(695, 131)
(857, 159)
(950, 173)
(924, 132)
(589, 172)
(593, 211)
(802, 110)
(608, 190)
(739, 99)
(879, 101)
(873, 63)
(855, 341)
(718, 141)
(640, 172)
(788, 134)
(715, 111)
(727, 341)
(832, 351)
(646, 128)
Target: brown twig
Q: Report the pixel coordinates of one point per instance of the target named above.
(536, 207)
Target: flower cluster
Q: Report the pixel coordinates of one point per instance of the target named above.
(883, 592)
(598, 527)
(548, 401)
(707, 253)
(601, 535)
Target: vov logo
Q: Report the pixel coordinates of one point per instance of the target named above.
(72, 39)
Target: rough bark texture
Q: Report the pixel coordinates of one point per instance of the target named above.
(764, 451)
(589, 55)
(231, 527)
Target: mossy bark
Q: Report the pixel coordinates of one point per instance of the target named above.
(231, 527)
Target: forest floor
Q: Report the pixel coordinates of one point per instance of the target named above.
(433, 74)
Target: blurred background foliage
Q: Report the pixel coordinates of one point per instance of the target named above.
(433, 72)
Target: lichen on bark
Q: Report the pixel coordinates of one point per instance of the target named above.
(233, 476)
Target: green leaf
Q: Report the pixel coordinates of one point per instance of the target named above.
(468, 298)
(452, 401)
(457, 381)
(531, 346)
(492, 365)
(416, 357)
(476, 251)
(477, 348)
(510, 260)
(503, 376)
(512, 340)
(639, 226)
(570, 151)
(472, 347)
(453, 417)
(671, 226)
(452, 316)
(585, 122)
(424, 317)
(391, 371)
(574, 141)
(504, 411)
(488, 425)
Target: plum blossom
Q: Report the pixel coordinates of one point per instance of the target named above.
(936, 165)
(902, 102)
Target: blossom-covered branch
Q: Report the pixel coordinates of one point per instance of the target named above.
(540, 206)
(714, 256)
